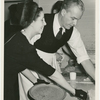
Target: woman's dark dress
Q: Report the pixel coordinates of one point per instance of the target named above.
(19, 55)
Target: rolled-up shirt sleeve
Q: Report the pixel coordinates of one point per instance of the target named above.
(77, 46)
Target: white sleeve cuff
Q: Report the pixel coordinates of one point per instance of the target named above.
(83, 58)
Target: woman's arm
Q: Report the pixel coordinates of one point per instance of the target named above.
(59, 79)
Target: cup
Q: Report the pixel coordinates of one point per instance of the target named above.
(72, 75)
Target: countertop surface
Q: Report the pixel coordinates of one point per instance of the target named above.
(81, 82)
(84, 86)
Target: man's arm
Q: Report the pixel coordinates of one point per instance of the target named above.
(89, 68)
(77, 46)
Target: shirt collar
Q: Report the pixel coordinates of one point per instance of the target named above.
(56, 25)
(56, 22)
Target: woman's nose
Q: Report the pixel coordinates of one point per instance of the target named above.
(45, 22)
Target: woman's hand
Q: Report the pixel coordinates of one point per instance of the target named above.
(81, 94)
(39, 81)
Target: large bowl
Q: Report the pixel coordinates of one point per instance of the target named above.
(46, 92)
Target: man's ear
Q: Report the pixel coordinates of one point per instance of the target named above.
(63, 12)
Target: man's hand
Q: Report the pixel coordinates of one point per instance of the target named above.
(81, 94)
(59, 57)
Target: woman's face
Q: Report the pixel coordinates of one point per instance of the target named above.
(39, 23)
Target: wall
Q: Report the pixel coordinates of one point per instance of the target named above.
(86, 25)
(6, 11)
(7, 3)
(47, 5)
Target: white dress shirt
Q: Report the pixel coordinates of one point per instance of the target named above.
(75, 42)
(56, 25)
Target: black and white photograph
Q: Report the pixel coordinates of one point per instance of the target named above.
(49, 50)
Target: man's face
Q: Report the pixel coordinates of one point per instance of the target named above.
(71, 16)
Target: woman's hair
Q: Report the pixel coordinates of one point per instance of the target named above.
(30, 12)
(67, 4)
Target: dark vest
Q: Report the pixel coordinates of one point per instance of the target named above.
(48, 42)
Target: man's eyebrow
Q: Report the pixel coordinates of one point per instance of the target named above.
(76, 18)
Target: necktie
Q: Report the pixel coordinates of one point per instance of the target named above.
(59, 34)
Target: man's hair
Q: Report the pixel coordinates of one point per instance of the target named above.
(56, 6)
(67, 4)
(30, 12)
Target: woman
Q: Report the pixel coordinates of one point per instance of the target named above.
(20, 54)
(18, 49)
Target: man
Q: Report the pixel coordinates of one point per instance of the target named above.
(56, 7)
(71, 11)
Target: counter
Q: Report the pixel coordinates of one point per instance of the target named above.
(79, 83)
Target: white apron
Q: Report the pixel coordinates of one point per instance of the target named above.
(25, 84)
